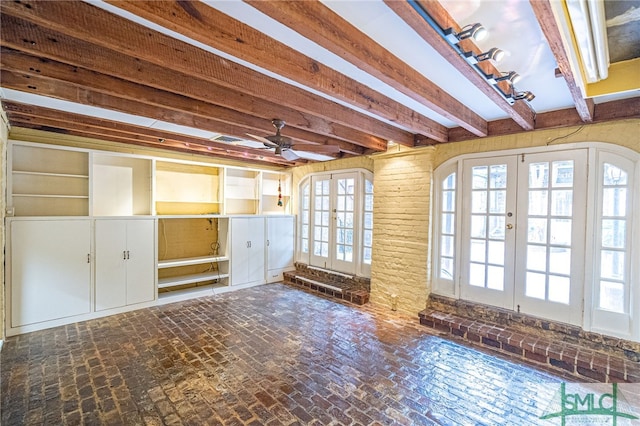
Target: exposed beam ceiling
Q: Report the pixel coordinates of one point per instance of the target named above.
(229, 68)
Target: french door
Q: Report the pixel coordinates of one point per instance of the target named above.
(523, 233)
(333, 222)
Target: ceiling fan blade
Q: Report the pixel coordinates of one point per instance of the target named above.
(289, 155)
(320, 149)
(264, 140)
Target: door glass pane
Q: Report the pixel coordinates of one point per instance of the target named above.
(498, 178)
(496, 252)
(561, 202)
(497, 201)
(496, 227)
(560, 231)
(613, 175)
(614, 202)
(538, 203)
(446, 243)
(560, 260)
(478, 251)
(448, 201)
(614, 233)
(612, 264)
(562, 174)
(538, 175)
(537, 231)
(535, 286)
(476, 274)
(478, 226)
(447, 223)
(612, 296)
(559, 289)
(480, 176)
(495, 280)
(536, 258)
(479, 202)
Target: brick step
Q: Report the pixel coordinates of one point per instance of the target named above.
(327, 287)
(568, 357)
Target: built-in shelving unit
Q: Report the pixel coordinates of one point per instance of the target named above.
(48, 182)
(192, 254)
(241, 191)
(183, 189)
(121, 185)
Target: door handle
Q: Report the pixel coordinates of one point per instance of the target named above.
(509, 226)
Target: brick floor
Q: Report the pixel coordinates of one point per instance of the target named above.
(270, 355)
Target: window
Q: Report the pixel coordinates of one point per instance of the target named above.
(336, 229)
(518, 240)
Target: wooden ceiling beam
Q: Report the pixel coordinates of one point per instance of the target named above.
(28, 65)
(73, 124)
(321, 25)
(609, 111)
(63, 90)
(95, 30)
(543, 11)
(211, 27)
(519, 112)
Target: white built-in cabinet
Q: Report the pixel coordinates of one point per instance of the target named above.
(125, 262)
(93, 232)
(49, 269)
(248, 242)
(280, 246)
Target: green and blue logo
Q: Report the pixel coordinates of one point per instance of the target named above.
(582, 406)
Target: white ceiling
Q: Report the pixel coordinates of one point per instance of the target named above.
(512, 27)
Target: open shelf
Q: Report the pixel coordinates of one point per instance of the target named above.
(187, 189)
(190, 279)
(199, 260)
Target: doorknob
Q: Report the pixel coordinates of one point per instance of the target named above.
(509, 226)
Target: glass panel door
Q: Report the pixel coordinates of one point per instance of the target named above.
(344, 244)
(551, 206)
(319, 255)
(488, 238)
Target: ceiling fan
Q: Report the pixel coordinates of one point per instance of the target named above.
(285, 147)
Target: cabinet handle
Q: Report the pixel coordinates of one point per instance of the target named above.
(124, 255)
(268, 243)
(127, 254)
(89, 258)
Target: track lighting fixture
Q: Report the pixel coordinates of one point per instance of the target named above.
(493, 53)
(511, 77)
(475, 31)
(527, 96)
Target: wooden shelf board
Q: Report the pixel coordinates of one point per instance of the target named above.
(170, 263)
(50, 196)
(25, 172)
(189, 279)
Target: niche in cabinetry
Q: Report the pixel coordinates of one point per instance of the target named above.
(48, 181)
(183, 189)
(241, 191)
(275, 187)
(121, 186)
(192, 254)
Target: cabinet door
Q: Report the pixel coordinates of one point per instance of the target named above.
(257, 247)
(280, 243)
(50, 270)
(110, 243)
(239, 251)
(140, 261)
(247, 250)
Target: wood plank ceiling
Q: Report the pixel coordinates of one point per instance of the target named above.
(80, 53)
